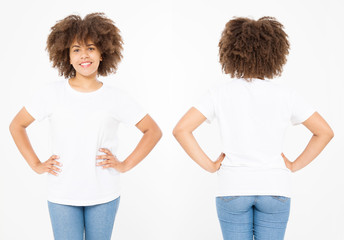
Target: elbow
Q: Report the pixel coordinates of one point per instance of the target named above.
(330, 134)
(158, 134)
(175, 132)
(12, 127)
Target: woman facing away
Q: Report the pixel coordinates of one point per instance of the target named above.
(253, 198)
(84, 115)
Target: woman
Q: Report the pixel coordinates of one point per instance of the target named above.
(84, 114)
(253, 113)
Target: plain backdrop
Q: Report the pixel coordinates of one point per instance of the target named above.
(170, 60)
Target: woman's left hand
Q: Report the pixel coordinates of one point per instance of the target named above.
(288, 163)
(109, 160)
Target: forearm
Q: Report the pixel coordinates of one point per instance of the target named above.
(192, 148)
(312, 150)
(149, 139)
(22, 141)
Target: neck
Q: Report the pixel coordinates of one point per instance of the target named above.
(85, 82)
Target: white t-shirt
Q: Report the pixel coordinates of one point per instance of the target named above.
(253, 117)
(80, 124)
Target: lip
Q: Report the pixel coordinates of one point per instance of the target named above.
(86, 64)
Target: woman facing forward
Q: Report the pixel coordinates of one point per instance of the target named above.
(84, 115)
(253, 113)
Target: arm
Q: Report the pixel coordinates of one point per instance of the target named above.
(151, 136)
(322, 134)
(18, 131)
(183, 133)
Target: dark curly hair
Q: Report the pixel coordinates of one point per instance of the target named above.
(253, 49)
(95, 27)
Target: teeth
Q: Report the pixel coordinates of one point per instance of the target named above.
(84, 64)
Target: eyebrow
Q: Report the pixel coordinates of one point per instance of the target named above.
(91, 44)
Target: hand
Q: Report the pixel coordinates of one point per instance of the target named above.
(109, 160)
(49, 166)
(217, 163)
(288, 163)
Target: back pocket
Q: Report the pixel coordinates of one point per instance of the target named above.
(228, 198)
(280, 198)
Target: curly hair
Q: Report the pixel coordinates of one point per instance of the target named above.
(253, 49)
(95, 27)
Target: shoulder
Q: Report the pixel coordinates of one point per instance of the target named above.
(54, 85)
(48, 88)
(112, 90)
(276, 88)
(115, 93)
(225, 88)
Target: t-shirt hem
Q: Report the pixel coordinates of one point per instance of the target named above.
(83, 203)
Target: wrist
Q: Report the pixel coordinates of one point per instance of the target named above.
(124, 167)
(35, 165)
(212, 168)
(292, 167)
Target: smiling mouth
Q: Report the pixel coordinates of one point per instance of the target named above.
(85, 65)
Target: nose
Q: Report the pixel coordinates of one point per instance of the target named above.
(84, 54)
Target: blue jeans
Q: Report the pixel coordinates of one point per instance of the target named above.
(76, 222)
(245, 217)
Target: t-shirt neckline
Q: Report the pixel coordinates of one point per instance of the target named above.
(95, 92)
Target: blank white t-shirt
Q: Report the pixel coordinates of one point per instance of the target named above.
(80, 124)
(253, 117)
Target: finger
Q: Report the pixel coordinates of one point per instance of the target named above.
(102, 157)
(221, 157)
(53, 157)
(57, 163)
(53, 173)
(103, 163)
(56, 169)
(284, 157)
(107, 151)
(107, 166)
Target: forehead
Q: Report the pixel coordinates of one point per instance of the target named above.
(82, 44)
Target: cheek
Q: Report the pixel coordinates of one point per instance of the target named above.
(71, 59)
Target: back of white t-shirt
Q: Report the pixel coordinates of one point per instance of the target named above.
(253, 117)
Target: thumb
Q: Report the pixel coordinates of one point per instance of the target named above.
(221, 157)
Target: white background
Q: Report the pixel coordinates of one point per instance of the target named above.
(170, 60)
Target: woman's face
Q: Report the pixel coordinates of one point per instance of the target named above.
(85, 58)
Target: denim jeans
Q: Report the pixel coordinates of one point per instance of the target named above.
(245, 217)
(83, 222)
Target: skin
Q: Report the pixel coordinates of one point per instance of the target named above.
(84, 81)
(322, 134)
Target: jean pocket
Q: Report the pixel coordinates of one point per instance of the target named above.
(228, 198)
(280, 198)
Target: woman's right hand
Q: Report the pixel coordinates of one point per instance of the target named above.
(49, 166)
(217, 163)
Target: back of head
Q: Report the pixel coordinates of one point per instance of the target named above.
(253, 49)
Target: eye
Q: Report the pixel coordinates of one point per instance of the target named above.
(76, 50)
(91, 48)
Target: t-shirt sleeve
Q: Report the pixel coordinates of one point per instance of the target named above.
(39, 103)
(301, 110)
(128, 110)
(206, 106)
